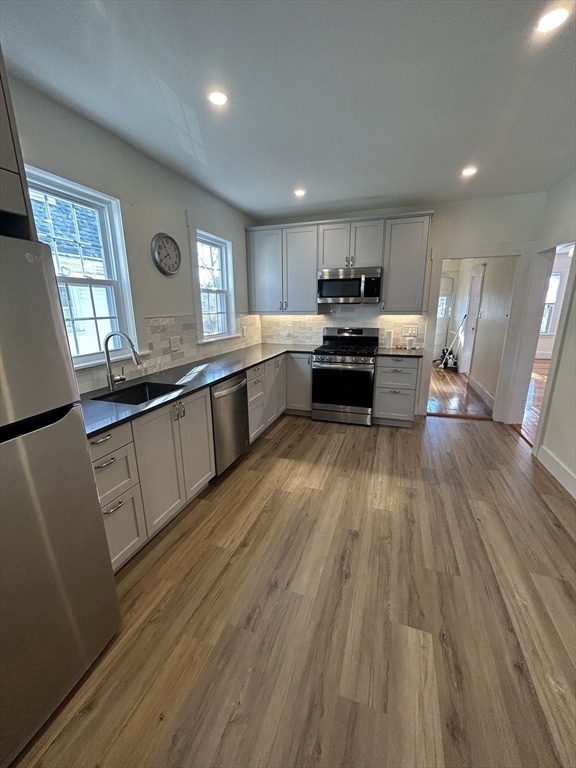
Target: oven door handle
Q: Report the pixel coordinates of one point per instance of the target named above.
(342, 367)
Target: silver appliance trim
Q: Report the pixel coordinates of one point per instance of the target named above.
(364, 420)
(224, 392)
(349, 273)
(343, 367)
(340, 408)
(349, 300)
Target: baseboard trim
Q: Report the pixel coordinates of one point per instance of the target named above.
(558, 470)
(481, 391)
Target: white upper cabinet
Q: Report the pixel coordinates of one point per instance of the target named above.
(299, 260)
(266, 271)
(366, 243)
(333, 245)
(405, 258)
(197, 442)
(283, 270)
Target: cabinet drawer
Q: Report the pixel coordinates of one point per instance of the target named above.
(397, 362)
(109, 441)
(394, 404)
(255, 372)
(125, 526)
(396, 378)
(115, 473)
(257, 419)
(256, 389)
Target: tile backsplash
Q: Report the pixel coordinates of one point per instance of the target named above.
(307, 329)
(159, 331)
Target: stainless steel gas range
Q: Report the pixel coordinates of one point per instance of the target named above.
(343, 375)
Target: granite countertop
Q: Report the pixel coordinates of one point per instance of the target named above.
(385, 352)
(100, 415)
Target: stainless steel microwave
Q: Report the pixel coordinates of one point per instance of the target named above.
(356, 285)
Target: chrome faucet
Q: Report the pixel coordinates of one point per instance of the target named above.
(113, 380)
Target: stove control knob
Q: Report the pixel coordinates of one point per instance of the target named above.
(354, 360)
(363, 360)
(322, 357)
(342, 359)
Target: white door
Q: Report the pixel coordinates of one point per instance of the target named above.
(366, 243)
(281, 383)
(197, 441)
(299, 381)
(333, 246)
(443, 316)
(159, 456)
(271, 393)
(265, 260)
(472, 315)
(300, 247)
(125, 526)
(405, 258)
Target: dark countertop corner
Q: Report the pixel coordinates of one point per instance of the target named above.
(100, 415)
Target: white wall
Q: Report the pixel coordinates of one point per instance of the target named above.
(153, 198)
(559, 221)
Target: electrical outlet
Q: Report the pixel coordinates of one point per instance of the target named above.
(410, 330)
(174, 343)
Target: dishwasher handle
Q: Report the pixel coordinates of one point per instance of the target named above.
(225, 392)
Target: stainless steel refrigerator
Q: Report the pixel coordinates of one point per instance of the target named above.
(58, 603)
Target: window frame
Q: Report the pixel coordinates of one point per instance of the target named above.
(113, 245)
(227, 270)
(552, 325)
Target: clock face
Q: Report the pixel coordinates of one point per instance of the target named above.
(166, 254)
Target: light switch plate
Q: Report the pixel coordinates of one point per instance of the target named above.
(174, 343)
(410, 330)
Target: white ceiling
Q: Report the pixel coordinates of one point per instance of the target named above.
(364, 104)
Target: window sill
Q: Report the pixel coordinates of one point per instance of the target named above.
(220, 338)
(95, 363)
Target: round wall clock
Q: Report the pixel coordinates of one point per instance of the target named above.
(166, 253)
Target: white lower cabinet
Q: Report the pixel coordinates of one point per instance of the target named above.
(281, 384)
(115, 473)
(125, 526)
(257, 419)
(395, 390)
(299, 381)
(271, 392)
(197, 441)
(159, 456)
(394, 404)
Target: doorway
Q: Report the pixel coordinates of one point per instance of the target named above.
(472, 318)
(548, 329)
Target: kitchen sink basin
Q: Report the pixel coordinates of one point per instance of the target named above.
(139, 393)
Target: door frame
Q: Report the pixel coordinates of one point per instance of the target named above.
(472, 322)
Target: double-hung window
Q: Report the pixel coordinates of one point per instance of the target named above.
(547, 323)
(84, 231)
(215, 279)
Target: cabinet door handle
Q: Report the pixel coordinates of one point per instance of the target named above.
(256, 368)
(280, 307)
(101, 439)
(397, 359)
(256, 381)
(395, 391)
(175, 411)
(182, 409)
(346, 262)
(397, 370)
(110, 511)
(308, 359)
(106, 463)
(285, 306)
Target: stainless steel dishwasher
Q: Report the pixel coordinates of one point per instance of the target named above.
(230, 417)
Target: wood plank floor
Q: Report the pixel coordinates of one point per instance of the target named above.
(345, 597)
(534, 400)
(452, 395)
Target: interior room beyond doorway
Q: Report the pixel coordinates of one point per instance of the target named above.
(472, 318)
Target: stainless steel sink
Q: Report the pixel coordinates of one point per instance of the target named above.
(139, 393)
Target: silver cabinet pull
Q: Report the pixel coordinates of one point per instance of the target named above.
(395, 391)
(280, 307)
(383, 304)
(182, 409)
(398, 359)
(175, 411)
(285, 306)
(106, 463)
(110, 511)
(101, 439)
(397, 370)
(309, 358)
(256, 381)
(256, 368)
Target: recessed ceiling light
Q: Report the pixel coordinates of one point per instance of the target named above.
(299, 192)
(470, 171)
(218, 98)
(552, 19)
